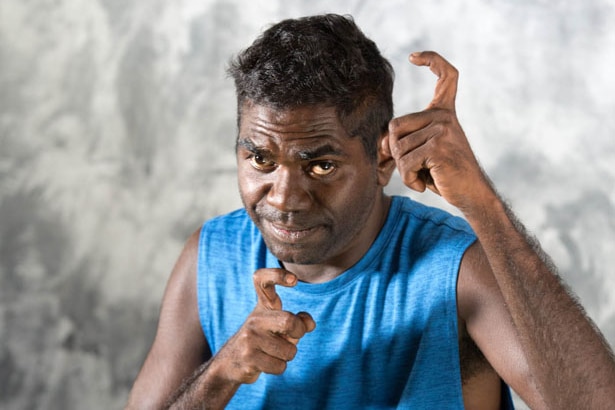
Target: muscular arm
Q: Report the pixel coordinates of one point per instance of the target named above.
(514, 290)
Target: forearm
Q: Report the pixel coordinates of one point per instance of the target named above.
(203, 390)
(569, 359)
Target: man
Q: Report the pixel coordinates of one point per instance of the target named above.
(326, 293)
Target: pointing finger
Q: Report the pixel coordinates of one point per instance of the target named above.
(264, 284)
(446, 86)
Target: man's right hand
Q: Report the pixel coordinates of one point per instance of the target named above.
(267, 340)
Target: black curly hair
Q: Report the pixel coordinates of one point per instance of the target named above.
(319, 60)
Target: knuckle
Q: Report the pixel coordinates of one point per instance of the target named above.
(257, 278)
(258, 273)
(264, 275)
(287, 321)
(438, 128)
(279, 367)
(408, 178)
(448, 117)
(249, 375)
(260, 276)
(394, 125)
(291, 353)
(245, 341)
(291, 326)
(249, 325)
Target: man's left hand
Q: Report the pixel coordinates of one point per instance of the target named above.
(430, 148)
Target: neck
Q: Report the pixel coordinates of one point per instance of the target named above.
(330, 269)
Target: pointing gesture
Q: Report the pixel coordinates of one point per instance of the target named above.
(268, 338)
(430, 148)
(446, 87)
(265, 281)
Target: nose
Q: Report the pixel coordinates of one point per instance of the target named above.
(289, 191)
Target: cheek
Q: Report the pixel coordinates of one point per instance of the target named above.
(250, 189)
(357, 193)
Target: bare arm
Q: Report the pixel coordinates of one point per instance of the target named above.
(180, 372)
(571, 362)
(179, 346)
(265, 343)
(568, 361)
(484, 315)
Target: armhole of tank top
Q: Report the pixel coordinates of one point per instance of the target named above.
(200, 279)
(464, 245)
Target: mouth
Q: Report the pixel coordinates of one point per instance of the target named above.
(292, 234)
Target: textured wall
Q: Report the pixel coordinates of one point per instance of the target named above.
(116, 142)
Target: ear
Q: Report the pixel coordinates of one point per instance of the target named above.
(385, 160)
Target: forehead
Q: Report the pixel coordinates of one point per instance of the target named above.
(300, 123)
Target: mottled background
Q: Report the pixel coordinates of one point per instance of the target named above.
(116, 142)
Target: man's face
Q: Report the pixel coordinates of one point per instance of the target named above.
(308, 186)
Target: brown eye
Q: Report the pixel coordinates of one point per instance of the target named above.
(259, 162)
(322, 168)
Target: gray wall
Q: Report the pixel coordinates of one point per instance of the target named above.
(116, 142)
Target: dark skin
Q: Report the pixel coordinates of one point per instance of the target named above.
(510, 303)
(310, 189)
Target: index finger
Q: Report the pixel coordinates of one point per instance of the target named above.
(264, 284)
(446, 86)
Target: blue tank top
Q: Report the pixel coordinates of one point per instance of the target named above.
(386, 329)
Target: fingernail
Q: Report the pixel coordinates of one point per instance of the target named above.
(289, 279)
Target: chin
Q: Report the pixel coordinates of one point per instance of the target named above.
(297, 256)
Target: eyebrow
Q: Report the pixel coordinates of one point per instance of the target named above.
(251, 147)
(323, 150)
(247, 144)
(304, 155)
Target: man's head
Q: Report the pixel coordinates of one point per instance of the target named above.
(319, 61)
(314, 96)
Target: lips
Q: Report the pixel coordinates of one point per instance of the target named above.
(292, 234)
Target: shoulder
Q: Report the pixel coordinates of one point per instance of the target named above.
(183, 272)
(429, 228)
(424, 214)
(227, 235)
(234, 224)
(236, 217)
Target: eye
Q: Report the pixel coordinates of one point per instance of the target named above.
(260, 162)
(322, 168)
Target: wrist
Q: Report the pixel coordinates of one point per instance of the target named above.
(483, 207)
(218, 373)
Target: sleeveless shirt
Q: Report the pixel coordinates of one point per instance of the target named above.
(386, 329)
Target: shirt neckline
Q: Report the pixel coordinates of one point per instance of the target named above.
(355, 271)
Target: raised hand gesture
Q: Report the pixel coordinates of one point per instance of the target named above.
(430, 148)
(269, 336)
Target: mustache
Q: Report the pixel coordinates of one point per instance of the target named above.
(294, 218)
